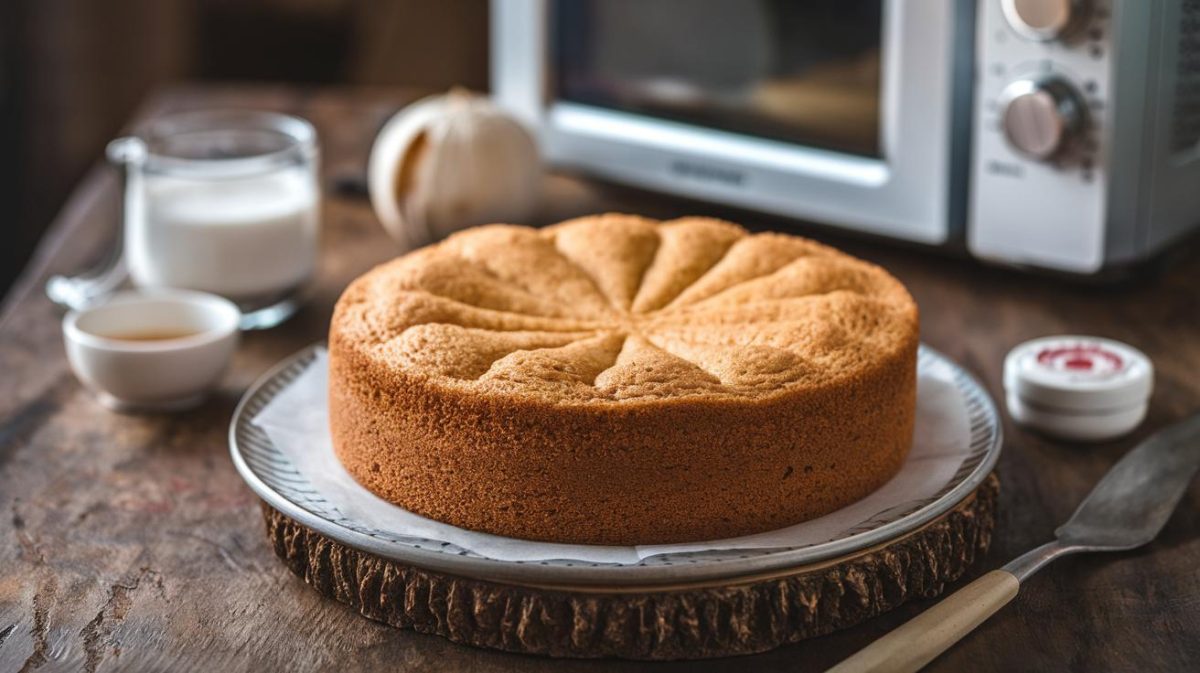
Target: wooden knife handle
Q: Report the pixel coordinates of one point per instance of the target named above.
(923, 638)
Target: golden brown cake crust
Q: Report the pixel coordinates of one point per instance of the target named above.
(618, 380)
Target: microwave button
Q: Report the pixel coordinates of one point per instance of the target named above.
(1039, 118)
(1044, 20)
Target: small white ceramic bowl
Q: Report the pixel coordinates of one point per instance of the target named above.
(152, 350)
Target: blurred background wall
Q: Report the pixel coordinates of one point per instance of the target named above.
(73, 71)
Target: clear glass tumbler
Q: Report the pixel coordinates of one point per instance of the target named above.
(226, 202)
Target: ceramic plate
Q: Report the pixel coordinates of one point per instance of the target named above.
(272, 476)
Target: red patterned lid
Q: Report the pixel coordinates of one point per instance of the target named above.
(1079, 373)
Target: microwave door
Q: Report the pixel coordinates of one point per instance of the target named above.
(804, 73)
(841, 112)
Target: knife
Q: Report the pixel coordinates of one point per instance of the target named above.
(1125, 510)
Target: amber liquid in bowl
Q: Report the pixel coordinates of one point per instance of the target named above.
(151, 335)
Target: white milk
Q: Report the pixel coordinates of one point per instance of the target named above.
(244, 238)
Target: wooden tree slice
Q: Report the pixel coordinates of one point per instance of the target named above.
(692, 621)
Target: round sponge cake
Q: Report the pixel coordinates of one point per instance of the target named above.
(619, 380)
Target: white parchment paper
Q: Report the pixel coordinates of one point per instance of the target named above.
(297, 422)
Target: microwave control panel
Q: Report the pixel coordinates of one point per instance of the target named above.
(1038, 169)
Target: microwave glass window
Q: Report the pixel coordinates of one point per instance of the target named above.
(802, 72)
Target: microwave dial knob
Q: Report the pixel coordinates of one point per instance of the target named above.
(1044, 20)
(1041, 117)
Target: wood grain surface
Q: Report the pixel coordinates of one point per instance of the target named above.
(129, 543)
(702, 620)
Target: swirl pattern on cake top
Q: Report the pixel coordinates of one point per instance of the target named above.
(621, 308)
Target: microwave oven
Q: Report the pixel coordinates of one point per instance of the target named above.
(1059, 134)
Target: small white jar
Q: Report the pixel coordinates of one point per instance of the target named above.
(1079, 388)
(225, 202)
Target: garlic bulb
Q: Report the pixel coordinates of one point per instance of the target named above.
(448, 162)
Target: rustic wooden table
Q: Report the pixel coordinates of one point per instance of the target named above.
(129, 542)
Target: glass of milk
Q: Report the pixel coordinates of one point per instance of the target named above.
(225, 202)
